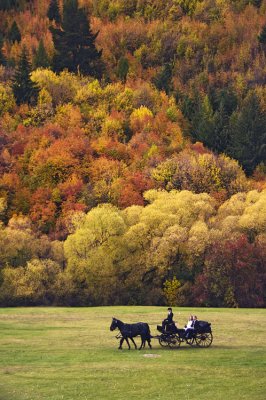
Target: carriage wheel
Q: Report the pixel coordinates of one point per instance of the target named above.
(191, 341)
(174, 341)
(204, 339)
(163, 342)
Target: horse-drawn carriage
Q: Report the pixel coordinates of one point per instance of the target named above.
(171, 336)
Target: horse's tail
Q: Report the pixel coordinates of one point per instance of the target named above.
(149, 336)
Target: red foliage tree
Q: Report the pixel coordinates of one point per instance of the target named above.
(233, 275)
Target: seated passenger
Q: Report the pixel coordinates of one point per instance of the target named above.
(189, 328)
(169, 320)
(195, 319)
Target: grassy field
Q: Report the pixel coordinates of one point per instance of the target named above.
(70, 354)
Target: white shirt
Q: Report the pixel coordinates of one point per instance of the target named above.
(190, 325)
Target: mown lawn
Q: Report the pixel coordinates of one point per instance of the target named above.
(70, 354)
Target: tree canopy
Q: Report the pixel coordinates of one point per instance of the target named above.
(132, 152)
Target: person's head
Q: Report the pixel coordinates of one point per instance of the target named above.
(169, 309)
(195, 318)
(191, 318)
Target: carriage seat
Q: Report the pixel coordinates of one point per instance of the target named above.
(169, 328)
(202, 326)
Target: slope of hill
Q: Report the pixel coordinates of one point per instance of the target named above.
(107, 102)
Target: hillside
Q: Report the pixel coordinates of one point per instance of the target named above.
(133, 105)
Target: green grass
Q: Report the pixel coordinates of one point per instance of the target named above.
(70, 354)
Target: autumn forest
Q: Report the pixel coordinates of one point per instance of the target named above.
(133, 152)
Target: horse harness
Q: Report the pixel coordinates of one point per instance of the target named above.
(125, 333)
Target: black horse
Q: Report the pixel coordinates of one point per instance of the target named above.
(129, 331)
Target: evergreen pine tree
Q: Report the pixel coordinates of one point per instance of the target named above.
(220, 139)
(2, 57)
(225, 98)
(25, 91)
(262, 35)
(248, 134)
(224, 103)
(53, 12)
(75, 43)
(41, 59)
(163, 80)
(6, 5)
(122, 69)
(256, 3)
(202, 122)
(14, 34)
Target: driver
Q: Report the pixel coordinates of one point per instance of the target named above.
(169, 319)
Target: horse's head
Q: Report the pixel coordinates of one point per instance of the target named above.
(113, 324)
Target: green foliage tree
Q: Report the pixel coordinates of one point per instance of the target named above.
(175, 248)
(37, 283)
(203, 122)
(163, 80)
(122, 69)
(219, 141)
(53, 12)
(19, 243)
(248, 133)
(14, 34)
(41, 59)
(74, 43)
(92, 252)
(171, 291)
(7, 101)
(188, 6)
(25, 91)
(201, 173)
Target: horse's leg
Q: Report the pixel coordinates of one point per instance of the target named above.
(127, 343)
(134, 343)
(121, 342)
(149, 343)
(142, 342)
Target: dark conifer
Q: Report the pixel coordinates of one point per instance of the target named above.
(202, 120)
(262, 35)
(25, 91)
(256, 3)
(219, 140)
(248, 133)
(75, 43)
(41, 59)
(53, 12)
(122, 68)
(14, 34)
(2, 57)
(163, 80)
(6, 5)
